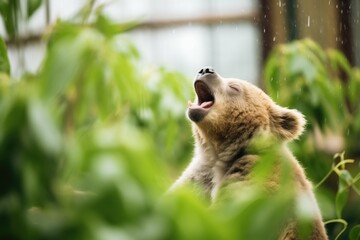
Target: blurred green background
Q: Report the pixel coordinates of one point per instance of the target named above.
(91, 140)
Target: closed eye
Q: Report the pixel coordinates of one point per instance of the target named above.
(235, 87)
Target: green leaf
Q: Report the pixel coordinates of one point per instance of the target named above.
(44, 128)
(345, 180)
(355, 233)
(272, 74)
(108, 28)
(343, 192)
(353, 89)
(356, 122)
(32, 6)
(10, 14)
(4, 60)
(302, 65)
(340, 201)
(68, 53)
(339, 61)
(61, 67)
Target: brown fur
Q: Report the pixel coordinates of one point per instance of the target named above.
(225, 132)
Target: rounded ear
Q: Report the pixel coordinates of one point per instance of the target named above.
(288, 124)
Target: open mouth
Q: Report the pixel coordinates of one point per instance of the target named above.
(205, 98)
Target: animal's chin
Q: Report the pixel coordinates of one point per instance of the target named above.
(198, 110)
(197, 114)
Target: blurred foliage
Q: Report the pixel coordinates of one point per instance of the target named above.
(4, 60)
(321, 84)
(326, 89)
(90, 142)
(14, 12)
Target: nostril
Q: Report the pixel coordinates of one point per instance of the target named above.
(206, 70)
(209, 70)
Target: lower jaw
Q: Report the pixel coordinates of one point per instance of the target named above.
(197, 114)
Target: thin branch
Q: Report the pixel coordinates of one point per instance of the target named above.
(202, 20)
(326, 176)
(158, 23)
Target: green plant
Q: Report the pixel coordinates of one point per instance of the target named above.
(85, 139)
(87, 143)
(15, 11)
(323, 85)
(86, 146)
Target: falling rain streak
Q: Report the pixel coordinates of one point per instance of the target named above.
(308, 21)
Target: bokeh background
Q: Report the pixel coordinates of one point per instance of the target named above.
(92, 114)
(234, 37)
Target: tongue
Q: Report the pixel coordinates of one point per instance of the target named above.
(206, 104)
(203, 105)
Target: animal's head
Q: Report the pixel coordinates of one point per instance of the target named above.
(228, 108)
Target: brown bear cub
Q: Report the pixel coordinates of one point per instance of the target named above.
(227, 114)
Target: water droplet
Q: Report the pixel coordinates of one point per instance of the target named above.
(274, 39)
(308, 21)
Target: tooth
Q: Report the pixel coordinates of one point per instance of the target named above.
(190, 103)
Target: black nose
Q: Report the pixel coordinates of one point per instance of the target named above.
(206, 70)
